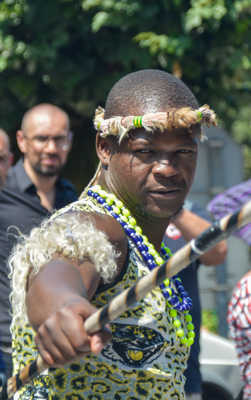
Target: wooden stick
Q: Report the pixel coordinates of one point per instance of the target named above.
(191, 251)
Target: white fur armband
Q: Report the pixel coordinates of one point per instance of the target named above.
(64, 235)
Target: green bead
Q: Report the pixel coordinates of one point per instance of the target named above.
(119, 204)
(183, 340)
(173, 313)
(123, 218)
(176, 323)
(180, 333)
(109, 201)
(125, 212)
(188, 318)
(132, 221)
(191, 334)
(166, 282)
(146, 241)
(152, 251)
(138, 230)
(190, 326)
(116, 210)
(190, 341)
(103, 194)
(159, 260)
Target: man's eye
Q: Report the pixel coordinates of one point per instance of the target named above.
(143, 151)
(41, 139)
(186, 151)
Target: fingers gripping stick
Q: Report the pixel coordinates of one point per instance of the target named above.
(190, 252)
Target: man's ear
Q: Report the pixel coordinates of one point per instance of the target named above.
(104, 147)
(21, 141)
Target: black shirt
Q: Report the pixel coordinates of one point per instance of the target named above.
(189, 277)
(20, 207)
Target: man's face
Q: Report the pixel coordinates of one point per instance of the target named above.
(5, 160)
(154, 172)
(45, 143)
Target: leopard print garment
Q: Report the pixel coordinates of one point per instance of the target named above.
(143, 360)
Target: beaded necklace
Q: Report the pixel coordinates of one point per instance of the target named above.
(177, 302)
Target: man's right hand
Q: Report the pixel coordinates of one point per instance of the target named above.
(62, 339)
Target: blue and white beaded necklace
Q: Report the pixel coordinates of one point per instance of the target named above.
(178, 302)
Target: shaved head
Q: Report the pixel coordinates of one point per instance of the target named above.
(6, 138)
(40, 111)
(148, 91)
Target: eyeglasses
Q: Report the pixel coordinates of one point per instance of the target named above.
(61, 142)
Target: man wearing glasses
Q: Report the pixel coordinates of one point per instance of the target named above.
(32, 191)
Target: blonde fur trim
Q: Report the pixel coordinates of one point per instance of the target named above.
(65, 235)
(184, 117)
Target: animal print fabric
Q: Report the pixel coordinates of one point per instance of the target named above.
(144, 360)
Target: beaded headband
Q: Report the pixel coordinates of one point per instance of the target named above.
(183, 117)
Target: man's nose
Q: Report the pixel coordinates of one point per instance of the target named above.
(51, 146)
(165, 167)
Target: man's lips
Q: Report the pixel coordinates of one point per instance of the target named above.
(166, 190)
(167, 193)
(51, 160)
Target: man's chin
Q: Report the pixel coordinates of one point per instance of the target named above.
(48, 172)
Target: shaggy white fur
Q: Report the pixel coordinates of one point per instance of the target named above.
(64, 235)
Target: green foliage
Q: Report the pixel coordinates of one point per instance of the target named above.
(210, 320)
(70, 52)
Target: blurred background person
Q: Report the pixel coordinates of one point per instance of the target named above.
(5, 156)
(239, 322)
(239, 307)
(188, 224)
(34, 188)
(5, 163)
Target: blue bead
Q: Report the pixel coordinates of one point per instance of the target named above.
(100, 200)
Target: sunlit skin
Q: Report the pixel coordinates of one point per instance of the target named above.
(5, 159)
(49, 160)
(150, 173)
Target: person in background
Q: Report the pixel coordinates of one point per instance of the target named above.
(5, 163)
(239, 307)
(33, 189)
(239, 322)
(186, 225)
(6, 156)
(87, 253)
